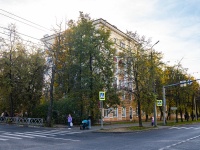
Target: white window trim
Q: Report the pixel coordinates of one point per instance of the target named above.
(124, 109)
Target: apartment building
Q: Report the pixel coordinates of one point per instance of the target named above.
(127, 110)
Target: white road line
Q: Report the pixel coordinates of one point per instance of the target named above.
(65, 132)
(187, 128)
(173, 128)
(44, 131)
(3, 139)
(74, 132)
(169, 146)
(10, 137)
(39, 133)
(19, 135)
(52, 133)
(63, 139)
(60, 132)
(31, 134)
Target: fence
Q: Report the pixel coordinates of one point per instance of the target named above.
(22, 121)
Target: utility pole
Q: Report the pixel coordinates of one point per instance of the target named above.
(153, 83)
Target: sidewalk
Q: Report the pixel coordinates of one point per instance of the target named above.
(110, 127)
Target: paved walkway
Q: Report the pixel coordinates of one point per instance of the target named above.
(109, 126)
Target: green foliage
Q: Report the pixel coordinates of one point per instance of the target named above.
(40, 111)
(21, 75)
(85, 67)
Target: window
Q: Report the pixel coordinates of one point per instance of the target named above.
(123, 95)
(123, 112)
(115, 112)
(137, 111)
(120, 83)
(106, 112)
(115, 40)
(130, 96)
(131, 112)
(122, 44)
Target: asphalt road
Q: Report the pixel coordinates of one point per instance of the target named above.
(26, 138)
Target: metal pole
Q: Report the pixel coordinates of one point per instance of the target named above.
(153, 85)
(164, 106)
(155, 119)
(101, 114)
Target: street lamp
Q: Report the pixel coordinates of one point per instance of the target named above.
(153, 82)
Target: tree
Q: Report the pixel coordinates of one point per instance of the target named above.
(21, 75)
(143, 63)
(84, 66)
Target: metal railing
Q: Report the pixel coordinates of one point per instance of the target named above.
(22, 121)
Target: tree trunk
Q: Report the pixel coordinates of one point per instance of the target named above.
(49, 116)
(139, 114)
(181, 113)
(147, 117)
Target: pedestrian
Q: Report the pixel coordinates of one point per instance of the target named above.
(152, 121)
(3, 114)
(69, 120)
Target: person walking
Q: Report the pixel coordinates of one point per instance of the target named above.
(152, 121)
(69, 120)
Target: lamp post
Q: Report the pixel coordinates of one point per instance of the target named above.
(153, 82)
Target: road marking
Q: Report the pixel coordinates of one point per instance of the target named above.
(74, 132)
(186, 128)
(52, 133)
(3, 139)
(10, 137)
(39, 133)
(31, 134)
(45, 131)
(169, 146)
(19, 135)
(60, 132)
(63, 139)
(43, 134)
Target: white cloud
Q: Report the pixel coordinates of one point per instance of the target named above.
(175, 23)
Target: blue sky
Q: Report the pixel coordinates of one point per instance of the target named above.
(175, 23)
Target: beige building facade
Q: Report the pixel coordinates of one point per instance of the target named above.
(127, 110)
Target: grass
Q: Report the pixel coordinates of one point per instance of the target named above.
(138, 128)
(143, 128)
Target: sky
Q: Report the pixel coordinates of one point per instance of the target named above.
(175, 23)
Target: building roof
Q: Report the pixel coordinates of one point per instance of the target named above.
(96, 22)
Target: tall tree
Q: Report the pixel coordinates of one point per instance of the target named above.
(21, 75)
(86, 65)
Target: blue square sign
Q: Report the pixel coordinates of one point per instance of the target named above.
(102, 96)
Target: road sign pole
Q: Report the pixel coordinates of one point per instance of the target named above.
(101, 114)
(155, 116)
(102, 97)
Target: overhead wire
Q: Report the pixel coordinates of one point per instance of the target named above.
(23, 35)
(25, 19)
(22, 22)
(4, 33)
(26, 36)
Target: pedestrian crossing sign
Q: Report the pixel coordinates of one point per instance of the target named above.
(102, 96)
(159, 102)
